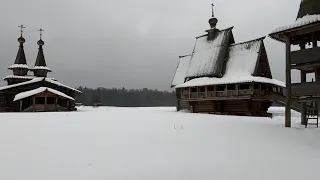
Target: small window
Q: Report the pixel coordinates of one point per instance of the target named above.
(231, 87)
(244, 86)
(210, 88)
(193, 90)
(220, 88)
(40, 100)
(202, 89)
(256, 86)
(50, 100)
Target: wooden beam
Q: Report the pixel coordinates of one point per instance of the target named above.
(288, 83)
(21, 105)
(304, 30)
(303, 75)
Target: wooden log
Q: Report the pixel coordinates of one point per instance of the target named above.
(288, 83)
(303, 104)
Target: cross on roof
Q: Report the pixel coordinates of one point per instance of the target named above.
(21, 27)
(212, 10)
(40, 30)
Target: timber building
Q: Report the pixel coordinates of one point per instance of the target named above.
(304, 33)
(37, 92)
(223, 77)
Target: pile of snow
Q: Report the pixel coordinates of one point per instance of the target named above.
(154, 143)
(40, 90)
(305, 20)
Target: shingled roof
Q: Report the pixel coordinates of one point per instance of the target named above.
(243, 64)
(208, 56)
(309, 7)
(181, 72)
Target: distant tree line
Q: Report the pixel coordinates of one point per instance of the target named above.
(125, 98)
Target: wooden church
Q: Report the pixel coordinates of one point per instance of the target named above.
(37, 92)
(223, 77)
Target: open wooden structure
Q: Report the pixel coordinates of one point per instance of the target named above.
(305, 33)
(222, 77)
(25, 93)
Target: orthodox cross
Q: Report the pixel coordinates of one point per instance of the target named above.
(212, 10)
(21, 28)
(40, 30)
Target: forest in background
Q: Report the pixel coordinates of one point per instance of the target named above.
(125, 97)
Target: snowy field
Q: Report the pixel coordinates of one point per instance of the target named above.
(155, 144)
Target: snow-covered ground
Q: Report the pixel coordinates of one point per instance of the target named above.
(155, 143)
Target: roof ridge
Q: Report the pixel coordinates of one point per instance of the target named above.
(229, 28)
(261, 38)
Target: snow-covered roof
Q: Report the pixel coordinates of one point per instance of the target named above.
(22, 66)
(41, 68)
(38, 79)
(208, 55)
(23, 77)
(21, 84)
(40, 90)
(300, 22)
(240, 67)
(181, 71)
(205, 81)
(62, 85)
(242, 58)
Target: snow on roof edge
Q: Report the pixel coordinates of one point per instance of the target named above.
(22, 66)
(206, 81)
(39, 90)
(38, 79)
(300, 22)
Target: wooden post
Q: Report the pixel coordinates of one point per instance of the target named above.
(34, 103)
(288, 83)
(303, 104)
(237, 89)
(21, 105)
(317, 71)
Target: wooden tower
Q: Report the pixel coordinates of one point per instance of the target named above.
(305, 33)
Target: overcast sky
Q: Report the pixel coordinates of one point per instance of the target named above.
(131, 43)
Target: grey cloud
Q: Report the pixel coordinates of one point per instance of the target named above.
(132, 44)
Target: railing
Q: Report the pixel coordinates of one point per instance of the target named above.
(244, 92)
(185, 96)
(193, 95)
(232, 93)
(202, 95)
(211, 94)
(221, 93)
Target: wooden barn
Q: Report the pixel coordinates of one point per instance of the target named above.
(37, 92)
(222, 77)
(302, 35)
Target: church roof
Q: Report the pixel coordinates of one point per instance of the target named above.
(21, 57)
(309, 7)
(241, 66)
(40, 90)
(181, 71)
(38, 79)
(40, 61)
(208, 56)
